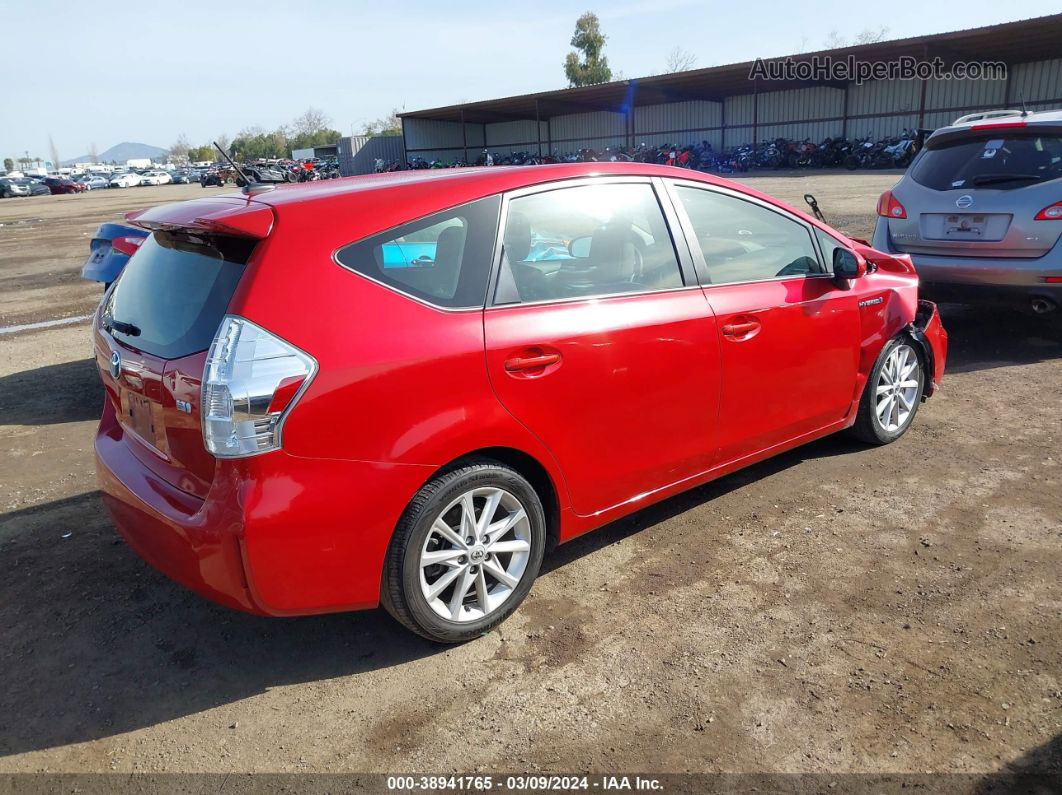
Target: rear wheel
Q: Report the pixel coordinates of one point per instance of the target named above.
(892, 394)
(465, 552)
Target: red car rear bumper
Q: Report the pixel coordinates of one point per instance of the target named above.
(276, 534)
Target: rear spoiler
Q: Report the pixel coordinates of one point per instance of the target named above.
(991, 129)
(219, 216)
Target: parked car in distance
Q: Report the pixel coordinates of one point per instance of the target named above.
(36, 187)
(179, 178)
(979, 212)
(12, 187)
(109, 251)
(58, 185)
(125, 180)
(95, 181)
(155, 178)
(468, 367)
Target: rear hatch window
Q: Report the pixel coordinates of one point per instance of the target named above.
(996, 159)
(172, 295)
(159, 320)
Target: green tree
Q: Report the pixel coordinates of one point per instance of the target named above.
(385, 125)
(253, 143)
(199, 154)
(322, 137)
(9, 164)
(590, 41)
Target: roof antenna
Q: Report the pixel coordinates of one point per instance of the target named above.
(1021, 96)
(236, 168)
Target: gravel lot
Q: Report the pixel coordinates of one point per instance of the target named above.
(838, 608)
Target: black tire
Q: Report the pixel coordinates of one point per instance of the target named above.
(868, 426)
(401, 593)
(851, 162)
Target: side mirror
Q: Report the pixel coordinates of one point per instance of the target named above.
(847, 264)
(580, 247)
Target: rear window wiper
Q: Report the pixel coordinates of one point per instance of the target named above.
(123, 328)
(988, 179)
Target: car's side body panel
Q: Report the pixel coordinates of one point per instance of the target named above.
(635, 412)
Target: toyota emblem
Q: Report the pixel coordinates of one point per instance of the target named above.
(116, 364)
(964, 201)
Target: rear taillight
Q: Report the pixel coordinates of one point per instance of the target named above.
(127, 245)
(889, 207)
(1053, 212)
(250, 384)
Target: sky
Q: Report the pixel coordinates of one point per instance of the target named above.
(104, 72)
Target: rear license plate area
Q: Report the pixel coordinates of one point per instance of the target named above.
(139, 416)
(965, 227)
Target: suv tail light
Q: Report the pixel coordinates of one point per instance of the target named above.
(889, 207)
(251, 381)
(1053, 212)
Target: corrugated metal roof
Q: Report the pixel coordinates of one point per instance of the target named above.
(1011, 42)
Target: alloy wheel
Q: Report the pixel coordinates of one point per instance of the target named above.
(897, 388)
(475, 554)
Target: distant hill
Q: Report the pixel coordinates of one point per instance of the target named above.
(119, 153)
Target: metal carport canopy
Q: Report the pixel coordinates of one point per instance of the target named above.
(1011, 42)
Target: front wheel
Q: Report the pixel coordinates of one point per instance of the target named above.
(465, 552)
(891, 396)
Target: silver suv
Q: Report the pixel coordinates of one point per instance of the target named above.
(980, 212)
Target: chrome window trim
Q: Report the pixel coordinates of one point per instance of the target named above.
(588, 298)
(578, 182)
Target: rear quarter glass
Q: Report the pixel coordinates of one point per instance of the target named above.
(175, 291)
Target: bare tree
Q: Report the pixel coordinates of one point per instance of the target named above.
(224, 142)
(834, 41)
(179, 148)
(54, 152)
(680, 60)
(870, 36)
(313, 120)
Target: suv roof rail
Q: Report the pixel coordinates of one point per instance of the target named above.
(985, 114)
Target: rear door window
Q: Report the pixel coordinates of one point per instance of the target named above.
(173, 293)
(984, 160)
(584, 241)
(442, 259)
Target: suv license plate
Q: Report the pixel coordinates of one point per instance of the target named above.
(966, 226)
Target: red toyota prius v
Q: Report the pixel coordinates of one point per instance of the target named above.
(406, 389)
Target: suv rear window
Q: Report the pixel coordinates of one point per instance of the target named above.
(1000, 162)
(171, 297)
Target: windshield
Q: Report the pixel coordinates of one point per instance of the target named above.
(172, 295)
(1001, 161)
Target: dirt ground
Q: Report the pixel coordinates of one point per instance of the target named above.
(838, 608)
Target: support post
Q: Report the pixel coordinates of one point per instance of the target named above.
(538, 129)
(464, 136)
(844, 113)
